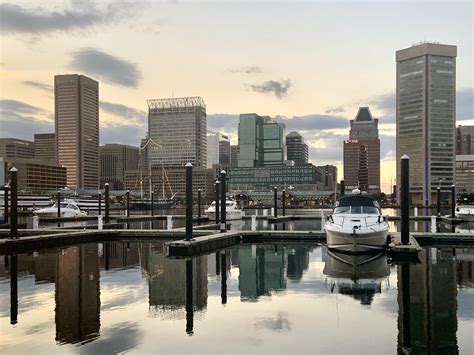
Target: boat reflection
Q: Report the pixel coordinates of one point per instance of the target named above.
(358, 276)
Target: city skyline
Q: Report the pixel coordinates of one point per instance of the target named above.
(315, 96)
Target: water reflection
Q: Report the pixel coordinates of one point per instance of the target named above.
(359, 276)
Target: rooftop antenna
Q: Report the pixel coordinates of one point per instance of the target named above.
(172, 93)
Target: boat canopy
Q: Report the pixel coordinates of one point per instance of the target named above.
(357, 200)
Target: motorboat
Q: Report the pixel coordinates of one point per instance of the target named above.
(465, 212)
(359, 276)
(68, 208)
(232, 210)
(356, 225)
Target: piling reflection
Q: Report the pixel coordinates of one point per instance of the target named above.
(13, 289)
(359, 276)
(427, 298)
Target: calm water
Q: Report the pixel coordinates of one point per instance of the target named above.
(119, 297)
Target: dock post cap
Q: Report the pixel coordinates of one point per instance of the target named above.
(217, 182)
(438, 188)
(13, 169)
(453, 185)
(274, 187)
(188, 164)
(404, 156)
(223, 171)
(106, 184)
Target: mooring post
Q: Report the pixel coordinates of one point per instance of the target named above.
(453, 201)
(199, 203)
(169, 222)
(13, 289)
(189, 298)
(14, 203)
(189, 201)
(275, 202)
(223, 200)
(216, 200)
(254, 222)
(100, 222)
(58, 198)
(343, 188)
(283, 202)
(5, 204)
(438, 201)
(433, 224)
(152, 207)
(223, 278)
(35, 222)
(100, 205)
(405, 199)
(107, 202)
(127, 194)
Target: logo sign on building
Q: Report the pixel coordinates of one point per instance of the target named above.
(349, 141)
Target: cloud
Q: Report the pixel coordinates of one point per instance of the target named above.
(313, 122)
(19, 107)
(14, 125)
(249, 70)
(332, 110)
(80, 16)
(106, 67)
(39, 85)
(465, 104)
(279, 89)
(122, 134)
(129, 114)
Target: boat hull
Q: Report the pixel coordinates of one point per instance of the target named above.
(54, 214)
(229, 216)
(356, 242)
(465, 216)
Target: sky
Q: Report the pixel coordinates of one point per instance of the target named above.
(310, 64)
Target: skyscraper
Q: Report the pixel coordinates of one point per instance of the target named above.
(465, 140)
(45, 147)
(76, 99)
(296, 148)
(115, 161)
(179, 126)
(234, 155)
(224, 150)
(426, 116)
(362, 153)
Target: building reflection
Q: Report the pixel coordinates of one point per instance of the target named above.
(465, 267)
(427, 300)
(115, 255)
(262, 269)
(298, 261)
(359, 276)
(77, 294)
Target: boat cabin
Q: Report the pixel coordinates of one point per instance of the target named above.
(357, 204)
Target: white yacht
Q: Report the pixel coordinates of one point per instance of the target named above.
(465, 212)
(356, 225)
(232, 211)
(68, 209)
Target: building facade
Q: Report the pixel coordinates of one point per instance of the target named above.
(362, 154)
(296, 148)
(234, 155)
(426, 116)
(115, 161)
(465, 140)
(212, 149)
(36, 176)
(76, 100)
(329, 173)
(465, 174)
(224, 150)
(179, 126)
(45, 147)
(260, 141)
(12, 148)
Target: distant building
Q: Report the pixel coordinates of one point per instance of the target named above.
(296, 148)
(465, 173)
(426, 117)
(224, 150)
(329, 176)
(38, 175)
(260, 141)
(45, 147)
(12, 148)
(179, 126)
(465, 140)
(212, 148)
(76, 99)
(362, 153)
(234, 155)
(115, 161)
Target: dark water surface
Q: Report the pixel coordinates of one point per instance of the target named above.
(279, 298)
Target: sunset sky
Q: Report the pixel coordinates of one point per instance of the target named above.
(311, 63)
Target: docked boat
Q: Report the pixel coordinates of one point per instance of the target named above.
(68, 209)
(356, 225)
(232, 211)
(465, 212)
(357, 275)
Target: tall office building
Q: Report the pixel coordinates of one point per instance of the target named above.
(224, 150)
(179, 126)
(329, 176)
(296, 148)
(362, 153)
(45, 147)
(260, 141)
(465, 140)
(77, 129)
(212, 149)
(426, 116)
(12, 148)
(234, 155)
(115, 161)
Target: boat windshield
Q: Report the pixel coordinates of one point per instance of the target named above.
(62, 204)
(357, 205)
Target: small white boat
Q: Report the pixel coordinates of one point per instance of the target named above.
(232, 211)
(68, 209)
(356, 225)
(465, 212)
